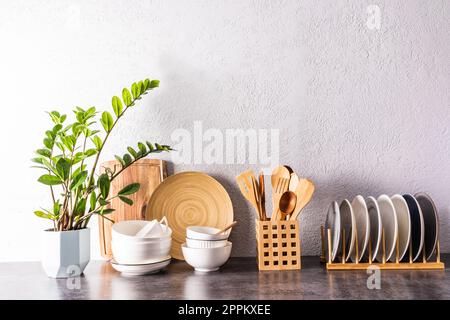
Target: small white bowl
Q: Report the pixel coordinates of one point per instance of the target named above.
(140, 252)
(205, 233)
(206, 259)
(194, 243)
(128, 230)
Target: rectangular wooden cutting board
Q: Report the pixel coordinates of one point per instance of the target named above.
(149, 173)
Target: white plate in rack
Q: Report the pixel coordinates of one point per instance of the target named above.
(333, 222)
(390, 226)
(348, 224)
(376, 225)
(362, 226)
(404, 225)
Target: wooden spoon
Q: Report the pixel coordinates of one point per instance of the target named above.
(231, 225)
(287, 204)
(280, 183)
(293, 183)
(304, 192)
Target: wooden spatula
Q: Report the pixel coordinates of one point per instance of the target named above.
(304, 192)
(248, 186)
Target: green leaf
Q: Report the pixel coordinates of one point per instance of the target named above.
(44, 152)
(90, 152)
(97, 141)
(42, 214)
(69, 142)
(37, 160)
(55, 115)
(90, 112)
(146, 84)
(150, 146)
(78, 180)
(48, 143)
(132, 152)
(154, 84)
(117, 105)
(50, 180)
(107, 211)
(128, 201)
(129, 189)
(104, 185)
(127, 159)
(141, 87)
(120, 160)
(107, 121)
(135, 90)
(60, 146)
(142, 148)
(56, 208)
(62, 118)
(80, 207)
(103, 202)
(63, 168)
(93, 201)
(50, 134)
(57, 128)
(126, 96)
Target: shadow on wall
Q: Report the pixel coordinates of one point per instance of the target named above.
(243, 236)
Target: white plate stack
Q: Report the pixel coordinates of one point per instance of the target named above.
(141, 247)
(206, 249)
(410, 225)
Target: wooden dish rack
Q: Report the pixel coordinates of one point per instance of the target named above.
(278, 245)
(326, 257)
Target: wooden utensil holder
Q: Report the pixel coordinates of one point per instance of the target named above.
(423, 264)
(278, 245)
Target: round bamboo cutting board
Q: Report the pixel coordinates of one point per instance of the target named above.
(190, 199)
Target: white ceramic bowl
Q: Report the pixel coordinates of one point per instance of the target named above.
(140, 252)
(205, 233)
(194, 243)
(206, 259)
(128, 229)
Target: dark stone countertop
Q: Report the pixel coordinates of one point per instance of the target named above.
(238, 279)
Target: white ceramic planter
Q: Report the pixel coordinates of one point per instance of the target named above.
(65, 253)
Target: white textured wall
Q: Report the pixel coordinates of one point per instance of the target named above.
(360, 111)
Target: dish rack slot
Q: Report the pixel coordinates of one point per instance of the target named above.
(423, 264)
(278, 245)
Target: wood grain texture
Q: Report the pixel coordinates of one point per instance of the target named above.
(278, 245)
(149, 173)
(190, 199)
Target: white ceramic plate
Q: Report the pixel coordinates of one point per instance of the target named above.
(417, 226)
(348, 224)
(390, 226)
(376, 225)
(404, 225)
(362, 226)
(140, 269)
(333, 222)
(431, 223)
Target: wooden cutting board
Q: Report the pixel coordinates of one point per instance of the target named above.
(149, 173)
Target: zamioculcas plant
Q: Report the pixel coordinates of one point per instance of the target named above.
(77, 192)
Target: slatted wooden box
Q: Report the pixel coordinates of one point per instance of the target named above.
(278, 245)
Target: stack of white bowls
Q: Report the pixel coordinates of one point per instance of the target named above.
(140, 247)
(205, 249)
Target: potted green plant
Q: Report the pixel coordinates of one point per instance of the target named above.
(69, 157)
